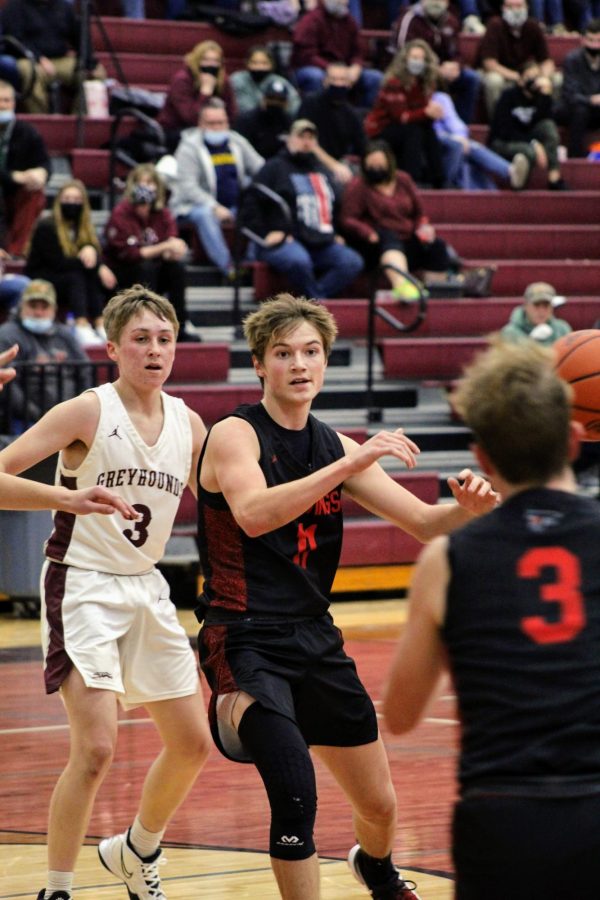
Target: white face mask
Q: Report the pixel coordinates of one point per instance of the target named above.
(434, 9)
(514, 17)
(37, 326)
(6, 115)
(216, 137)
(335, 8)
(415, 66)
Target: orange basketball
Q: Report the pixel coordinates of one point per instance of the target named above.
(578, 362)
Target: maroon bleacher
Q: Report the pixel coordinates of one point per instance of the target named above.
(425, 358)
(195, 363)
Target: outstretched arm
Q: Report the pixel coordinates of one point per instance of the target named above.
(6, 357)
(20, 493)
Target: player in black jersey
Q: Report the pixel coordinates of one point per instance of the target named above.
(270, 529)
(510, 604)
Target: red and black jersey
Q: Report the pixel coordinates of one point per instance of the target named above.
(522, 630)
(288, 571)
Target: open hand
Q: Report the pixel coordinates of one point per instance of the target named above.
(473, 492)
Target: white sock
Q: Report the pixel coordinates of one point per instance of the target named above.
(144, 842)
(58, 881)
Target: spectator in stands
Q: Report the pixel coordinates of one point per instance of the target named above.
(134, 9)
(65, 251)
(142, 245)
(404, 113)
(42, 339)
(11, 288)
(339, 126)
(580, 100)
(550, 14)
(327, 34)
(250, 84)
(523, 123)
(214, 164)
(383, 215)
(24, 169)
(50, 31)
(267, 125)
(298, 236)
(535, 320)
(468, 164)
(510, 41)
(200, 79)
(435, 23)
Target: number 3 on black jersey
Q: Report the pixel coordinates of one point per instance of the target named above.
(564, 590)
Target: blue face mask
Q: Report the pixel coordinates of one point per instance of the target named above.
(6, 115)
(216, 137)
(37, 326)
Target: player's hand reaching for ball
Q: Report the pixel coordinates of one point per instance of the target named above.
(473, 493)
(97, 500)
(385, 443)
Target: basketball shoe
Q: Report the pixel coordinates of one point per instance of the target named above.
(395, 888)
(55, 895)
(139, 875)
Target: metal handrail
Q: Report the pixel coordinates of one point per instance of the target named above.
(117, 155)
(420, 306)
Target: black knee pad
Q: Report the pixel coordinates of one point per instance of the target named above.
(281, 756)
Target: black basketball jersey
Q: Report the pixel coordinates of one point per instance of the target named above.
(288, 571)
(522, 629)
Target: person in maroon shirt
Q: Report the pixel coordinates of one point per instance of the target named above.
(142, 243)
(328, 34)
(201, 78)
(404, 113)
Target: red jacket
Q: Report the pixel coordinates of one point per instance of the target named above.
(126, 232)
(396, 104)
(320, 38)
(184, 102)
(365, 209)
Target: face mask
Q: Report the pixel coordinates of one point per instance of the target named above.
(6, 115)
(37, 326)
(258, 75)
(334, 8)
(71, 212)
(530, 86)
(594, 52)
(210, 70)
(415, 66)
(434, 9)
(216, 137)
(337, 93)
(143, 193)
(302, 159)
(376, 176)
(515, 17)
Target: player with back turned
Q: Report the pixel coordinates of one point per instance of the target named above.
(270, 529)
(510, 604)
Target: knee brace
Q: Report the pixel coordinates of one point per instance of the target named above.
(281, 756)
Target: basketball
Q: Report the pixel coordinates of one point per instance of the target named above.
(578, 362)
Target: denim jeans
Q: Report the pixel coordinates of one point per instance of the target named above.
(210, 235)
(310, 79)
(470, 171)
(464, 90)
(134, 9)
(549, 12)
(316, 272)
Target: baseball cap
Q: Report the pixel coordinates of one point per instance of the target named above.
(541, 291)
(275, 89)
(302, 125)
(39, 289)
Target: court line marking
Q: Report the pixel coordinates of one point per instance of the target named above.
(34, 729)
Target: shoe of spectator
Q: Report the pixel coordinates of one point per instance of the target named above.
(478, 282)
(473, 25)
(519, 171)
(560, 185)
(87, 337)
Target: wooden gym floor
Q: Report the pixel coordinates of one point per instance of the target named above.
(215, 846)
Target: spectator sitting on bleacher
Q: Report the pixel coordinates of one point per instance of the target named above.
(142, 245)
(327, 34)
(535, 320)
(339, 126)
(522, 123)
(65, 251)
(383, 215)
(200, 79)
(11, 288)
(510, 41)
(250, 84)
(41, 339)
(267, 125)
(580, 100)
(404, 113)
(214, 164)
(24, 168)
(435, 23)
(298, 235)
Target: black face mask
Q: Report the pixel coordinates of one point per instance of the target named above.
(303, 160)
(337, 93)
(258, 75)
(71, 212)
(530, 87)
(274, 111)
(210, 70)
(377, 176)
(594, 52)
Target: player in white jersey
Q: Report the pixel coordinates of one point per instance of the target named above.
(109, 628)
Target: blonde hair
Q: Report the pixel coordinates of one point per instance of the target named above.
(71, 243)
(279, 315)
(193, 61)
(519, 410)
(131, 302)
(136, 175)
(398, 68)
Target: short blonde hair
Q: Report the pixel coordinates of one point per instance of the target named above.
(279, 315)
(131, 302)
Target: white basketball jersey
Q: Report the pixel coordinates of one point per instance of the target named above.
(151, 479)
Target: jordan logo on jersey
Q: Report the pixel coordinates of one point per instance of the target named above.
(115, 433)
